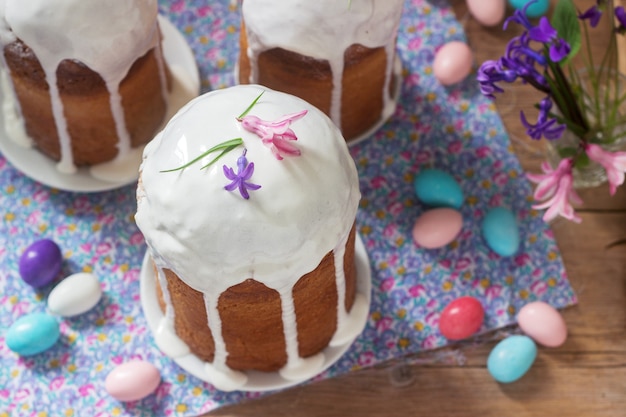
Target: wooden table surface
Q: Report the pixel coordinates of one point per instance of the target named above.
(586, 377)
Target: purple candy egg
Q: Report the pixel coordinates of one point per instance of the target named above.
(41, 263)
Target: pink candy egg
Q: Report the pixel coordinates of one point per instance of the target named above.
(543, 323)
(453, 62)
(437, 227)
(132, 381)
(487, 12)
(461, 318)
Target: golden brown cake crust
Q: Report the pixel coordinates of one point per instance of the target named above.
(251, 316)
(363, 81)
(86, 104)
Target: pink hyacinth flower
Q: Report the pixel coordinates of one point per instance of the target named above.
(556, 188)
(613, 162)
(277, 134)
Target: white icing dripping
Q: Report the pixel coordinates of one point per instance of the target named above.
(324, 30)
(316, 194)
(290, 329)
(13, 121)
(166, 338)
(118, 34)
(214, 323)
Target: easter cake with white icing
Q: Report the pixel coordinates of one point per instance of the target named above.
(84, 81)
(247, 201)
(337, 55)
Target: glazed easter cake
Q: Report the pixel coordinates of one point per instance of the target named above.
(84, 81)
(337, 55)
(247, 201)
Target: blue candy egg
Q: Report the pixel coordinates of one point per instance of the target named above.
(537, 9)
(511, 358)
(437, 188)
(501, 232)
(32, 334)
(40, 263)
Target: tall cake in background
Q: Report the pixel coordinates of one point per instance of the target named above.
(247, 201)
(337, 55)
(84, 81)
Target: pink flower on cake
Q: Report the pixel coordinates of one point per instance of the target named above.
(613, 162)
(556, 188)
(277, 135)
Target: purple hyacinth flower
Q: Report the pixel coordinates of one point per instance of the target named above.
(620, 14)
(593, 14)
(546, 126)
(543, 32)
(491, 72)
(240, 179)
(559, 50)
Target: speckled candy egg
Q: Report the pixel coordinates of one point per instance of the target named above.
(511, 358)
(501, 231)
(437, 227)
(453, 62)
(437, 188)
(461, 318)
(76, 294)
(543, 323)
(487, 13)
(32, 334)
(132, 381)
(537, 9)
(40, 263)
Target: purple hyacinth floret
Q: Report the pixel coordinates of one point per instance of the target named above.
(546, 126)
(491, 72)
(620, 14)
(240, 179)
(593, 14)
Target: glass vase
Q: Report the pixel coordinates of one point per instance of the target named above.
(587, 173)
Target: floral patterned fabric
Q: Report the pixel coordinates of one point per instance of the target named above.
(454, 129)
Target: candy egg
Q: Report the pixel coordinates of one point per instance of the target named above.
(453, 62)
(40, 263)
(437, 227)
(537, 9)
(437, 188)
(75, 295)
(501, 232)
(132, 381)
(32, 334)
(543, 323)
(510, 359)
(487, 13)
(461, 318)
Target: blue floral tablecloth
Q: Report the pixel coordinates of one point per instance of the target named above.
(454, 129)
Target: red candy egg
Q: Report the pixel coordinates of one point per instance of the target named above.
(461, 318)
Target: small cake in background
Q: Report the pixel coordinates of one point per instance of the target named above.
(247, 201)
(337, 55)
(84, 80)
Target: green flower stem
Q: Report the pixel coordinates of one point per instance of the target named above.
(246, 111)
(225, 147)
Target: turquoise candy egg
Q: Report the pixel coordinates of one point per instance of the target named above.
(511, 358)
(537, 9)
(501, 231)
(32, 334)
(437, 188)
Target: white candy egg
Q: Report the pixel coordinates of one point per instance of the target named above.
(76, 294)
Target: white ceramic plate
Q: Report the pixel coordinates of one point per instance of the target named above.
(39, 167)
(257, 381)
